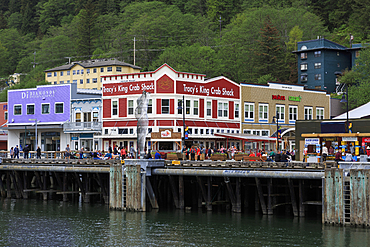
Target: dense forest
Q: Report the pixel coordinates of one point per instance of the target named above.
(245, 40)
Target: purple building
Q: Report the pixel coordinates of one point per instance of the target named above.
(49, 106)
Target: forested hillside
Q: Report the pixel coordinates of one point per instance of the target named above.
(245, 40)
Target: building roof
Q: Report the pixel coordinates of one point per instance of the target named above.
(93, 63)
(88, 91)
(359, 112)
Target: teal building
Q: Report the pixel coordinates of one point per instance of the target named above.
(321, 61)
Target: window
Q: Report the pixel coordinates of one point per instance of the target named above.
(87, 80)
(68, 81)
(307, 113)
(265, 133)
(179, 108)
(196, 131)
(81, 81)
(55, 83)
(95, 80)
(82, 71)
(131, 131)
(55, 73)
(95, 116)
(319, 113)
(165, 106)
(226, 109)
(317, 54)
(31, 109)
(109, 69)
(78, 117)
(195, 107)
(247, 132)
(6, 115)
(74, 81)
(263, 112)
(201, 131)
(209, 108)
(318, 77)
(61, 73)
(357, 54)
(114, 108)
(77, 72)
(101, 69)
(45, 108)
(280, 110)
(303, 77)
(49, 74)
(207, 131)
(187, 107)
(249, 111)
(74, 72)
(317, 65)
(303, 66)
(293, 113)
(256, 132)
(130, 105)
(119, 69)
(123, 131)
(61, 82)
(304, 55)
(94, 70)
(220, 109)
(59, 108)
(236, 110)
(150, 107)
(106, 131)
(68, 72)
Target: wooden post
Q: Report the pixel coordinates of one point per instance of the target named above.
(209, 194)
(301, 198)
(174, 191)
(260, 196)
(292, 197)
(238, 196)
(269, 196)
(133, 188)
(151, 195)
(8, 185)
(181, 192)
(65, 187)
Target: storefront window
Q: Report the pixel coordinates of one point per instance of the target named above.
(293, 113)
(249, 111)
(308, 113)
(319, 113)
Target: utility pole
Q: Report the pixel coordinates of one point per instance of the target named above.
(34, 59)
(134, 49)
(69, 59)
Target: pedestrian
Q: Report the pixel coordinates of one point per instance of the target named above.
(198, 153)
(210, 153)
(324, 153)
(25, 152)
(233, 152)
(38, 152)
(278, 156)
(132, 152)
(123, 153)
(116, 150)
(16, 152)
(193, 152)
(11, 153)
(68, 152)
(110, 150)
(82, 153)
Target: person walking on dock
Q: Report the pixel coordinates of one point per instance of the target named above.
(82, 153)
(68, 152)
(38, 152)
(11, 152)
(25, 152)
(16, 152)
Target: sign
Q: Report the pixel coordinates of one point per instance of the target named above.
(74, 138)
(311, 141)
(278, 97)
(166, 133)
(176, 162)
(218, 88)
(293, 98)
(349, 139)
(122, 161)
(329, 139)
(366, 139)
(110, 89)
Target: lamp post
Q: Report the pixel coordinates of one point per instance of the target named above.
(277, 129)
(35, 119)
(345, 100)
(182, 107)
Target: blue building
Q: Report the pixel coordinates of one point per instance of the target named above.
(321, 61)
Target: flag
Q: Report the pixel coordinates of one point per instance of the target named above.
(7, 83)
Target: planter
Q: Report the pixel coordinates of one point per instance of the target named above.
(172, 157)
(239, 157)
(222, 157)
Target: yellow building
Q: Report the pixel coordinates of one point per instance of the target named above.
(87, 74)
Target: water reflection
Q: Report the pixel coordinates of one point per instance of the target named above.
(39, 223)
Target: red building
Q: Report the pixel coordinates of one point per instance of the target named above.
(211, 106)
(3, 123)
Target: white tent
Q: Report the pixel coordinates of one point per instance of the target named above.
(359, 112)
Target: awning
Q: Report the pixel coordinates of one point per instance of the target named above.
(166, 140)
(246, 137)
(336, 135)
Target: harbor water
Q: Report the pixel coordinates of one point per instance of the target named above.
(54, 223)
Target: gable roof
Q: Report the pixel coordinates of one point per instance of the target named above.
(93, 63)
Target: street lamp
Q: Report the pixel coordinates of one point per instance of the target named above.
(345, 100)
(277, 129)
(182, 107)
(35, 119)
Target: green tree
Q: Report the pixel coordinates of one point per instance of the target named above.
(29, 18)
(295, 35)
(3, 22)
(14, 44)
(266, 78)
(194, 58)
(224, 8)
(86, 29)
(270, 57)
(15, 21)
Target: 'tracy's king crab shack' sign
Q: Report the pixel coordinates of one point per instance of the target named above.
(166, 133)
(128, 88)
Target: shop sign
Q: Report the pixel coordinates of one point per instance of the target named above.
(366, 139)
(166, 133)
(278, 97)
(294, 98)
(311, 141)
(349, 139)
(329, 139)
(128, 88)
(74, 138)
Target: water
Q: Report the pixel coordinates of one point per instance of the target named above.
(53, 223)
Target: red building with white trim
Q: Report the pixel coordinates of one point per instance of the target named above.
(211, 106)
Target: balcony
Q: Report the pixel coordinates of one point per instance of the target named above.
(82, 126)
